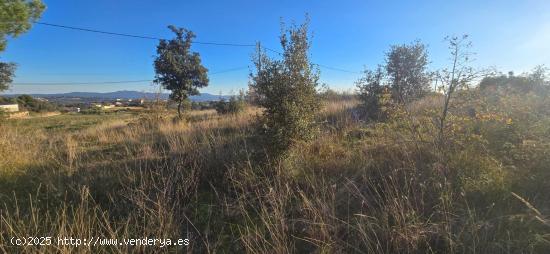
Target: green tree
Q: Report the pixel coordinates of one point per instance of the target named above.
(406, 68)
(16, 17)
(178, 69)
(7, 71)
(287, 89)
(36, 105)
(370, 92)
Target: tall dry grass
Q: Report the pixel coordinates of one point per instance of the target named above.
(357, 188)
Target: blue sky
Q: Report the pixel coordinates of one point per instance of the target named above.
(347, 34)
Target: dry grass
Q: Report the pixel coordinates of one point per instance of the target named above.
(357, 188)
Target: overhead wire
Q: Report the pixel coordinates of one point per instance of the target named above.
(117, 82)
(137, 36)
(196, 42)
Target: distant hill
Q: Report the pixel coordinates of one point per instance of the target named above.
(122, 95)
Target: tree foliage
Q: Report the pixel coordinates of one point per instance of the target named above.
(286, 88)
(7, 71)
(16, 17)
(404, 77)
(406, 69)
(234, 105)
(535, 81)
(370, 90)
(29, 103)
(178, 69)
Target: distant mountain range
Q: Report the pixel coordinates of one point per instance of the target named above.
(122, 95)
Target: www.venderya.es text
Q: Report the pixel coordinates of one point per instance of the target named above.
(98, 241)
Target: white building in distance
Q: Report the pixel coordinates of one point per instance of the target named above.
(10, 107)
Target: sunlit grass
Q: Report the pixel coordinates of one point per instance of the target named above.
(358, 187)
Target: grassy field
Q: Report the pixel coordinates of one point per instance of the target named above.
(359, 187)
(65, 122)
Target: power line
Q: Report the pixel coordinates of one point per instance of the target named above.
(272, 50)
(98, 31)
(229, 70)
(137, 36)
(81, 83)
(320, 65)
(336, 69)
(115, 82)
(196, 42)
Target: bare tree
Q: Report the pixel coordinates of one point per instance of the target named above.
(458, 76)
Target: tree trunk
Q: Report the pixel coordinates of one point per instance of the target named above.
(180, 102)
(452, 86)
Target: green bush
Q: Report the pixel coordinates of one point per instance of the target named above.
(3, 114)
(201, 105)
(371, 92)
(235, 105)
(93, 111)
(286, 88)
(35, 105)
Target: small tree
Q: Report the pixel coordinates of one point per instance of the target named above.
(16, 17)
(459, 75)
(406, 67)
(286, 88)
(178, 69)
(539, 76)
(370, 92)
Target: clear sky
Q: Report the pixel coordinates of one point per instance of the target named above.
(347, 34)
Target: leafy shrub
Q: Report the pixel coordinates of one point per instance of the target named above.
(370, 93)
(527, 82)
(3, 114)
(6, 100)
(287, 90)
(201, 105)
(93, 111)
(235, 105)
(35, 105)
